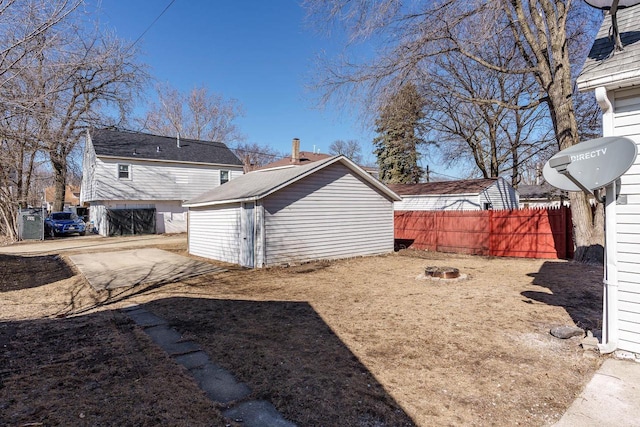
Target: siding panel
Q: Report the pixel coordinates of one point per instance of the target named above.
(330, 214)
(214, 232)
(627, 123)
(153, 180)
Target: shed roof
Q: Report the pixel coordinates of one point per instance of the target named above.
(144, 146)
(464, 186)
(606, 67)
(542, 191)
(261, 183)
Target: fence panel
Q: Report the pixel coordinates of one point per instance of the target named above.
(416, 229)
(528, 233)
(463, 232)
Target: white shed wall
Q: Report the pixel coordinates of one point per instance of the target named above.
(214, 232)
(454, 202)
(627, 123)
(501, 195)
(328, 215)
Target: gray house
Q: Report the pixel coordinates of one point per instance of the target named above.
(146, 178)
(467, 194)
(327, 209)
(614, 76)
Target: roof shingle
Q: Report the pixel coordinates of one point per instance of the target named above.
(137, 145)
(603, 62)
(465, 186)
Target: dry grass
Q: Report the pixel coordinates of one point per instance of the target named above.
(353, 342)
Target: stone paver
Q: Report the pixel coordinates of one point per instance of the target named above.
(218, 383)
(257, 413)
(169, 340)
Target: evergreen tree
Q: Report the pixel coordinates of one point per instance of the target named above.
(399, 129)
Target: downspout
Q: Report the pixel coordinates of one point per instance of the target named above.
(610, 291)
(610, 295)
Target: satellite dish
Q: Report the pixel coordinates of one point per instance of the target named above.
(590, 165)
(608, 4)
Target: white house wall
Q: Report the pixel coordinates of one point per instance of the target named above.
(214, 232)
(153, 180)
(501, 196)
(328, 215)
(88, 186)
(627, 123)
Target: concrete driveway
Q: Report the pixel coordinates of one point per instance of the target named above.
(93, 243)
(110, 270)
(113, 262)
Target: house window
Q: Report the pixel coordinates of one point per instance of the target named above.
(487, 206)
(224, 177)
(124, 172)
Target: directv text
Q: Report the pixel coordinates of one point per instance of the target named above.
(589, 155)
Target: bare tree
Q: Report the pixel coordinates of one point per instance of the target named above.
(199, 114)
(67, 79)
(494, 137)
(254, 155)
(549, 36)
(350, 148)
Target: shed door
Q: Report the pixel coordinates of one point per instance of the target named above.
(247, 227)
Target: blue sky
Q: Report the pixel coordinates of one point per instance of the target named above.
(260, 52)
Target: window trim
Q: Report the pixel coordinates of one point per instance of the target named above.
(228, 176)
(128, 177)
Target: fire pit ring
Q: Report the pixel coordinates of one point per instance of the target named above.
(442, 272)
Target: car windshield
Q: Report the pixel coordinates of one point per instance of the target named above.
(63, 215)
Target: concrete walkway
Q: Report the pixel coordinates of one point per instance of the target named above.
(218, 383)
(611, 398)
(110, 270)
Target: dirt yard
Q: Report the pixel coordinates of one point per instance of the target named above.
(360, 342)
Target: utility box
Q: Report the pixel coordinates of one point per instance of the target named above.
(31, 224)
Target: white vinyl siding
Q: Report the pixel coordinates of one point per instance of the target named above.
(501, 196)
(214, 232)
(627, 123)
(153, 181)
(328, 215)
(454, 202)
(88, 187)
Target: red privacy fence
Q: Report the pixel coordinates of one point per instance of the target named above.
(526, 233)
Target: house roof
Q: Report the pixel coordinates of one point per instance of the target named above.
(137, 145)
(305, 157)
(465, 186)
(543, 191)
(261, 183)
(71, 194)
(604, 66)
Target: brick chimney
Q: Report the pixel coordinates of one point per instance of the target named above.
(295, 151)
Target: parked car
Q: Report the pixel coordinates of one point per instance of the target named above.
(60, 223)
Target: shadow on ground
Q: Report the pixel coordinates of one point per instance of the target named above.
(578, 293)
(76, 370)
(287, 355)
(24, 272)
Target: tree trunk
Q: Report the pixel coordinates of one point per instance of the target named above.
(588, 229)
(60, 181)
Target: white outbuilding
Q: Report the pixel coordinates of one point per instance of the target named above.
(614, 76)
(460, 195)
(328, 209)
